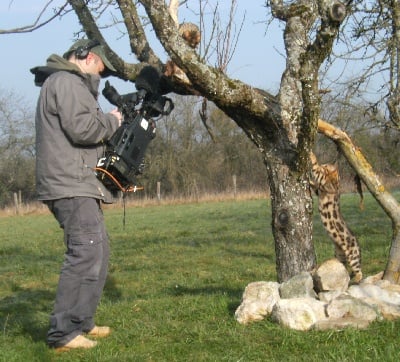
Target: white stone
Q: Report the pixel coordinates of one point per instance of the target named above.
(391, 287)
(373, 278)
(383, 283)
(329, 295)
(389, 311)
(257, 301)
(347, 306)
(331, 275)
(337, 306)
(341, 323)
(298, 313)
(300, 286)
(364, 291)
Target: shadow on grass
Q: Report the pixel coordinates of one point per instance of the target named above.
(111, 291)
(235, 295)
(26, 312)
(267, 257)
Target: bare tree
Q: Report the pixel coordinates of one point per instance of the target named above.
(372, 38)
(16, 147)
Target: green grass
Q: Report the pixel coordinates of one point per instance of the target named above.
(177, 274)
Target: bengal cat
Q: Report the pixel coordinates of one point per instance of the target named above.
(325, 182)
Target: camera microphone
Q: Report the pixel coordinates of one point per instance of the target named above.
(147, 80)
(111, 94)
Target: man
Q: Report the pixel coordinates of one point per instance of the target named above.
(70, 131)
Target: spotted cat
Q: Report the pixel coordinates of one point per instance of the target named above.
(325, 182)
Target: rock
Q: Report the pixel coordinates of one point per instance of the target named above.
(346, 305)
(298, 313)
(250, 312)
(294, 304)
(389, 311)
(257, 301)
(331, 275)
(341, 323)
(329, 295)
(301, 285)
(373, 278)
(383, 284)
(385, 299)
(391, 287)
(374, 292)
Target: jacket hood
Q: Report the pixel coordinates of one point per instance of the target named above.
(55, 63)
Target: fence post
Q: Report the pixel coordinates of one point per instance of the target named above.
(159, 191)
(234, 186)
(16, 203)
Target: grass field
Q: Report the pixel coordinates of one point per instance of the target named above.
(177, 274)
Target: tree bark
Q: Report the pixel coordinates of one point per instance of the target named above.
(291, 199)
(389, 204)
(292, 210)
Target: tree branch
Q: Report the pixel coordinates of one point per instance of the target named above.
(173, 11)
(284, 12)
(332, 12)
(36, 24)
(125, 70)
(137, 37)
(208, 81)
(388, 203)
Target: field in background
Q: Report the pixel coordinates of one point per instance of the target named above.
(177, 274)
(139, 199)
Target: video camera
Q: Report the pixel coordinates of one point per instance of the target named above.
(124, 155)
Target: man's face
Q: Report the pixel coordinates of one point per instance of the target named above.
(95, 64)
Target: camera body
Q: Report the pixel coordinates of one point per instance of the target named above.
(125, 152)
(123, 159)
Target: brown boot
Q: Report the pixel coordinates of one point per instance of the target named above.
(78, 342)
(99, 332)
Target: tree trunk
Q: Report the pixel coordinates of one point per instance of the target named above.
(389, 204)
(292, 209)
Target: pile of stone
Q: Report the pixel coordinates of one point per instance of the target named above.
(321, 300)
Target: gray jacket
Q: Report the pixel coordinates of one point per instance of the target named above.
(70, 132)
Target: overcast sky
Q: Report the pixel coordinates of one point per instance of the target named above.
(258, 60)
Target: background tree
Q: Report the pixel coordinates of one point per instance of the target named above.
(372, 38)
(189, 163)
(16, 148)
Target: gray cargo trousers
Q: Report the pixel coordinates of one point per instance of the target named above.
(84, 270)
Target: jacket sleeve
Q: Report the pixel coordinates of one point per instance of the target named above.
(79, 113)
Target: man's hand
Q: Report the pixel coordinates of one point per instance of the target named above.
(115, 112)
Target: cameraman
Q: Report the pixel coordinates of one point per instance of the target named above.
(70, 131)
